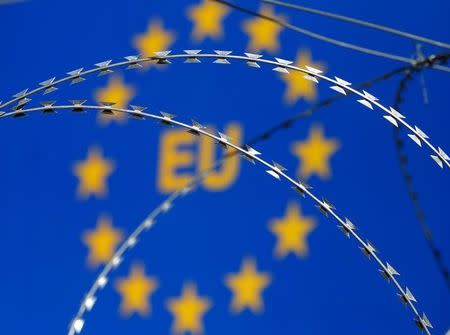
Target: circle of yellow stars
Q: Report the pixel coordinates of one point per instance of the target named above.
(291, 232)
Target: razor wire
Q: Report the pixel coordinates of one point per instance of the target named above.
(276, 170)
(253, 60)
(168, 202)
(324, 38)
(422, 322)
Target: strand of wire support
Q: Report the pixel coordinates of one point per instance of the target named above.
(327, 39)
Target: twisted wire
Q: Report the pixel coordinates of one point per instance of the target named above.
(275, 170)
(359, 22)
(324, 38)
(408, 180)
(281, 65)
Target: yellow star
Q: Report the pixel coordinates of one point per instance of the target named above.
(156, 38)
(297, 86)
(188, 310)
(263, 34)
(247, 287)
(291, 232)
(102, 241)
(116, 91)
(135, 291)
(207, 18)
(92, 174)
(314, 153)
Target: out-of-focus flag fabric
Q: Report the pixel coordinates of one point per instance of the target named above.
(243, 254)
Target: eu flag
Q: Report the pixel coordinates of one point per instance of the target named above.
(215, 167)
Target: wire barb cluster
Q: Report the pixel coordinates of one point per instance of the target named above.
(253, 60)
(276, 170)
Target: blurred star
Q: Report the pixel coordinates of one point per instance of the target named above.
(102, 241)
(247, 287)
(116, 91)
(263, 34)
(297, 86)
(291, 232)
(135, 291)
(315, 153)
(207, 18)
(92, 174)
(156, 38)
(188, 310)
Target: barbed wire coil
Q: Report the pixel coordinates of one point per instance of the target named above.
(276, 170)
(252, 60)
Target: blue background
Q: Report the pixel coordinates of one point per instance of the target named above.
(334, 290)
